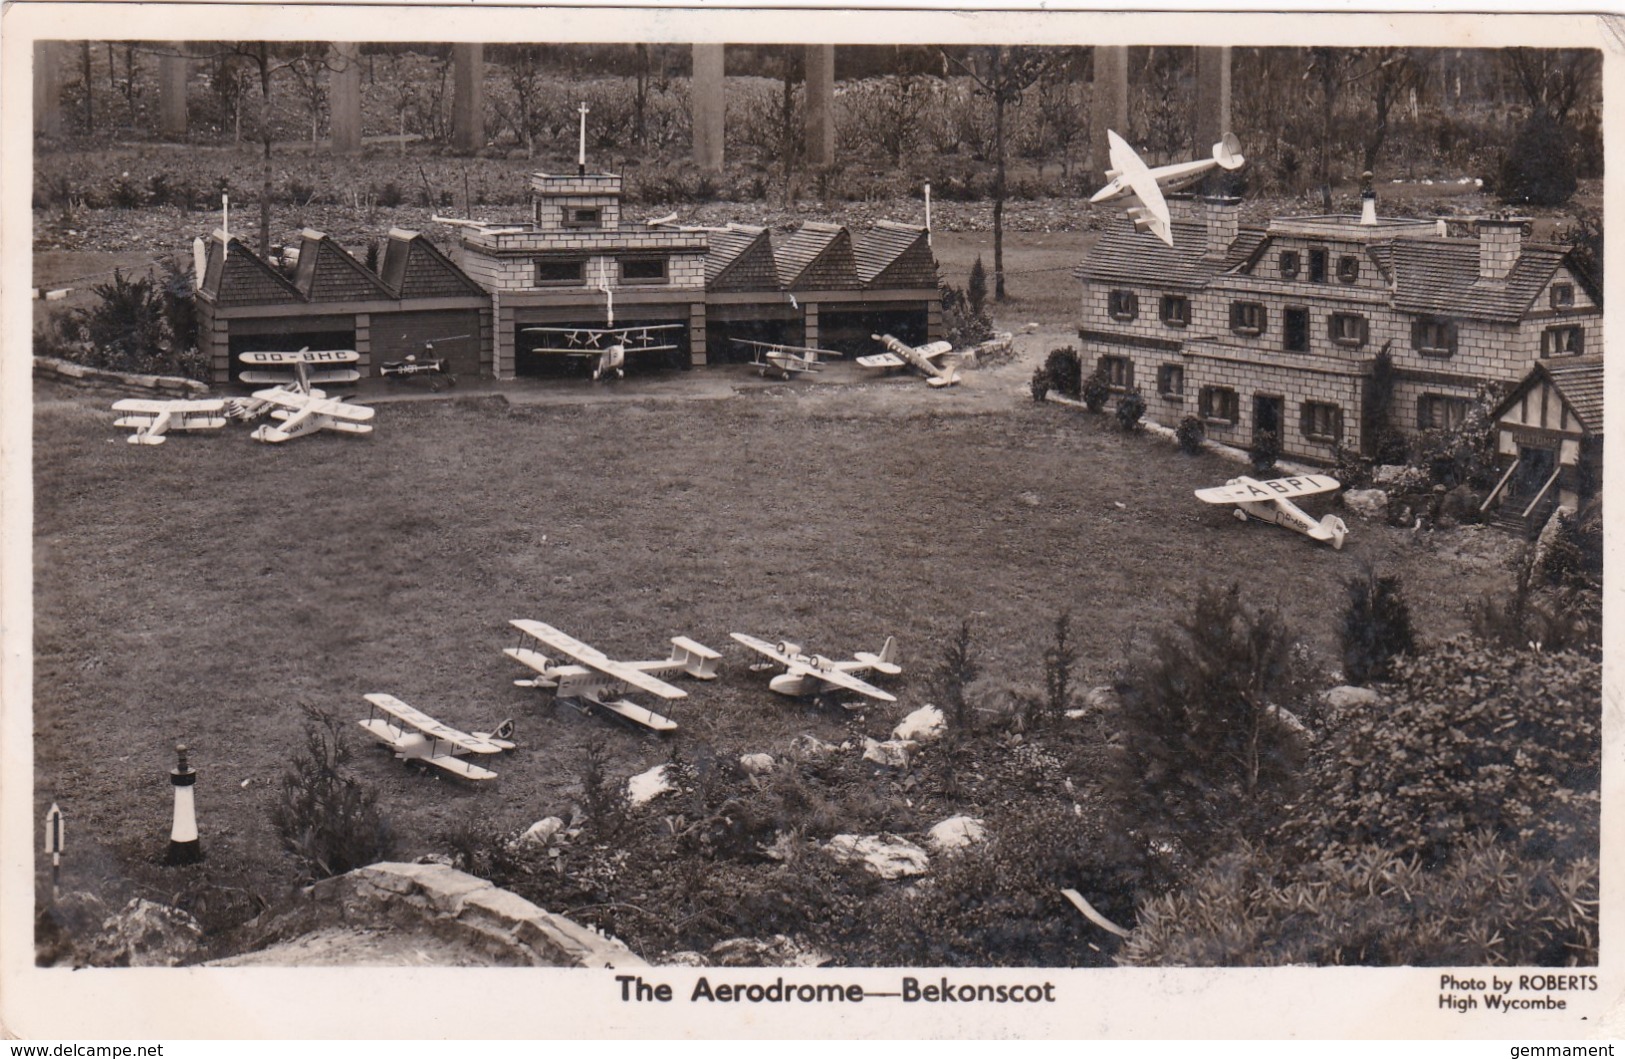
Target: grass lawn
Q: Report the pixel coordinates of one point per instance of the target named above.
(201, 591)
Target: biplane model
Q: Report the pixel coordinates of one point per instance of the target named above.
(304, 369)
(592, 680)
(299, 413)
(415, 736)
(922, 359)
(153, 419)
(807, 674)
(1271, 502)
(609, 346)
(788, 361)
(1130, 176)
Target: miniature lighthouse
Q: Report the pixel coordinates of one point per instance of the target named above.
(183, 841)
(1368, 200)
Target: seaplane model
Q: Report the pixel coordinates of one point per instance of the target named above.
(299, 413)
(304, 370)
(415, 736)
(1270, 502)
(593, 679)
(922, 359)
(609, 345)
(152, 419)
(1130, 176)
(788, 361)
(816, 675)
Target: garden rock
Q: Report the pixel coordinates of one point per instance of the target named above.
(923, 724)
(1367, 503)
(147, 934)
(893, 753)
(811, 748)
(646, 786)
(777, 951)
(1348, 697)
(756, 764)
(956, 832)
(886, 856)
(542, 831)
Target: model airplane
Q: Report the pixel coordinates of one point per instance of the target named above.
(411, 366)
(1129, 175)
(788, 361)
(1270, 502)
(609, 345)
(155, 418)
(299, 413)
(595, 678)
(415, 736)
(922, 359)
(301, 369)
(816, 675)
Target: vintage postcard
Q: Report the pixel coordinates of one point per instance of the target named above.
(690, 522)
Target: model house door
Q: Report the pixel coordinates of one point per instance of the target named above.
(1535, 465)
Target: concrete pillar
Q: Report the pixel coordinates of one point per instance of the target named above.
(1212, 99)
(709, 104)
(47, 89)
(1110, 104)
(344, 97)
(172, 72)
(468, 100)
(820, 66)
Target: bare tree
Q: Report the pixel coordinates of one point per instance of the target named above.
(1554, 80)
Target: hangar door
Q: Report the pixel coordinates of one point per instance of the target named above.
(288, 336)
(848, 330)
(527, 363)
(454, 334)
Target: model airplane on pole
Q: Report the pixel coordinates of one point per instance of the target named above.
(607, 346)
(415, 736)
(1271, 502)
(1130, 176)
(922, 359)
(816, 675)
(304, 369)
(153, 419)
(788, 361)
(593, 679)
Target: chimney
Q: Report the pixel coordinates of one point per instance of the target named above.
(1500, 241)
(1368, 201)
(1223, 223)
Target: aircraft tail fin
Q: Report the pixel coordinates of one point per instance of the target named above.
(698, 660)
(1227, 152)
(885, 661)
(1333, 529)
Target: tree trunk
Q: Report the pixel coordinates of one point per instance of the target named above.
(1326, 90)
(90, 111)
(264, 59)
(998, 177)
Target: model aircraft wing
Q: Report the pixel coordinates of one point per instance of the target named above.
(933, 350)
(881, 360)
(763, 647)
(1248, 490)
(355, 413)
(780, 347)
(283, 398)
(138, 404)
(593, 658)
(1153, 211)
(415, 718)
(843, 679)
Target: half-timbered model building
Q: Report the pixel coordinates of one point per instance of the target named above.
(1549, 432)
(1279, 328)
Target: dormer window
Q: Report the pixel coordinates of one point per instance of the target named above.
(1291, 264)
(1348, 268)
(1123, 305)
(583, 217)
(1562, 295)
(1317, 265)
(1176, 310)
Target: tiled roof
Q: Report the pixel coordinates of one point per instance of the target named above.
(1580, 382)
(1441, 276)
(1123, 255)
(817, 257)
(240, 277)
(413, 267)
(892, 255)
(327, 272)
(740, 258)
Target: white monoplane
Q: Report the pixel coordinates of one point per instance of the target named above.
(302, 370)
(153, 419)
(608, 346)
(816, 675)
(299, 413)
(788, 361)
(595, 678)
(922, 359)
(1130, 176)
(1271, 502)
(415, 736)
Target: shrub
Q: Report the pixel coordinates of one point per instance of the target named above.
(390, 195)
(976, 288)
(1041, 383)
(328, 820)
(957, 669)
(1521, 618)
(125, 194)
(1266, 449)
(1465, 454)
(1096, 390)
(1376, 627)
(1350, 468)
(963, 323)
(1065, 371)
(1059, 658)
(1573, 559)
(1191, 433)
(1130, 410)
(1538, 169)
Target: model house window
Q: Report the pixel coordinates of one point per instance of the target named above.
(1347, 329)
(1176, 310)
(1119, 372)
(559, 272)
(1295, 330)
(1247, 318)
(1322, 421)
(1220, 403)
(1171, 380)
(1432, 336)
(1123, 305)
(643, 270)
(1348, 268)
(1317, 265)
(1562, 295)
(583, 217)
(1562, 342)
(1438, 412)
(1291, 263)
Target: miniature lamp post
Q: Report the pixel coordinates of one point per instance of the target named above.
(184, 847)
(928, 213)
(53, 846)
(581, 152)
